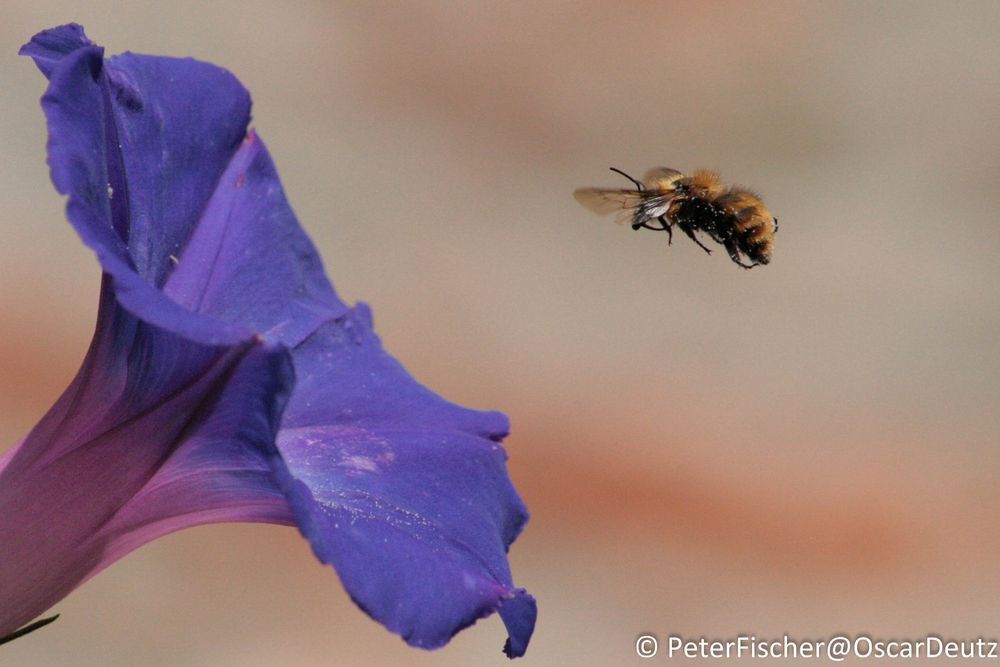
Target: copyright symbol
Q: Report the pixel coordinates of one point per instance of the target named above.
(839, 648)
(646, 646)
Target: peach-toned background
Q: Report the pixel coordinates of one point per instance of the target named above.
(809, 447)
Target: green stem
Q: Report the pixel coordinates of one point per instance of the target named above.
(31, 627)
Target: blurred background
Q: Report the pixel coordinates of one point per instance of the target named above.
(807, 448)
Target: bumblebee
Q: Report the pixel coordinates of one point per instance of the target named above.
(734, 217)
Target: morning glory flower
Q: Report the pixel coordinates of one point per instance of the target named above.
(227, 381)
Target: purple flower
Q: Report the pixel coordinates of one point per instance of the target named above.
(227, 381)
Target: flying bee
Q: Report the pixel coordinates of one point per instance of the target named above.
(733, 216)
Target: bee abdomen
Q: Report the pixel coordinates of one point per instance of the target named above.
(746, 209)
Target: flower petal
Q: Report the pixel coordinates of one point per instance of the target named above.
(212, 291)
(152, 152)
(138, 141)
(48, 47)
(150, 415)
(404, 493)
(249, 261)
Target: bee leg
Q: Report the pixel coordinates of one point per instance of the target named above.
(690, 232)
(667, 227)
(734, 254)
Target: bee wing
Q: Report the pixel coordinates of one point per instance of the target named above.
(605, 202)
(631, 207)
(626, 216)
(658, 176)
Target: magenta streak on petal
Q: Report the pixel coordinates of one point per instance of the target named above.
(221, 471)
(68, 493)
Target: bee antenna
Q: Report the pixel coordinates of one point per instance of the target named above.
(638, 185)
